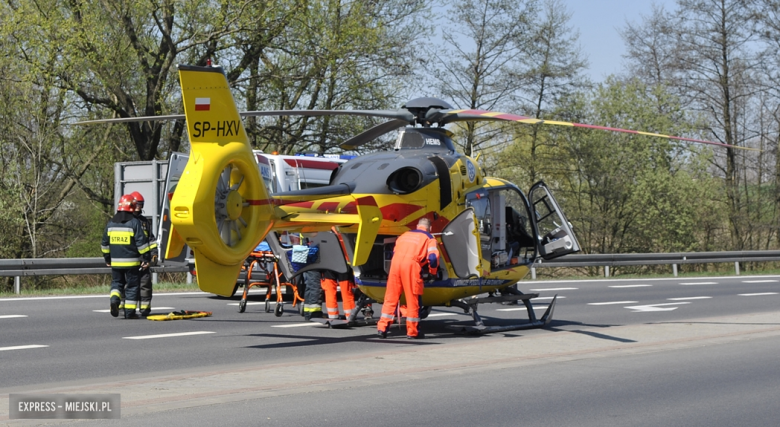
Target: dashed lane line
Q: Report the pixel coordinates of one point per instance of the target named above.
(629, 286)
(441, 314)
(22, 347)
(536, 307)
(758, 294)
(687, 298)
(180, 334)
(760, 281)
(541, 298)
(12, 316)
(655, 307)
(252, 303)
(108, 310)
(553, 289)
(612, 302)
(295, 325)
(698, 283)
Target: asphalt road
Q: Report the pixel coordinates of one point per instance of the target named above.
(640, 352)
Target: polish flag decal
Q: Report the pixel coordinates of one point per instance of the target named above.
(202, 104)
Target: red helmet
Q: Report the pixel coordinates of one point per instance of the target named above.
(126, 203)
(139, 199)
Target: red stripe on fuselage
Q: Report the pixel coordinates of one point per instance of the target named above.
(312, 164)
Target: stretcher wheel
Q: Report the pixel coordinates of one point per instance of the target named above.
(267, 306)
(279, 310)
(241, 306)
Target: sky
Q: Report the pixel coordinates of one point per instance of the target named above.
(599, 22)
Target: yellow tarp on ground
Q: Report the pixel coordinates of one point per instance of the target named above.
(178, 315)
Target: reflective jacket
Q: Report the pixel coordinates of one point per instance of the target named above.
(124, 243)
(146, 224)
(416, 247)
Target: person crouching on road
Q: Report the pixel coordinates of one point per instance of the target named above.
(413, 250)
(146, 274)
(126, 250)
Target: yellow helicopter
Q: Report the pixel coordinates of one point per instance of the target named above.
(490, 232)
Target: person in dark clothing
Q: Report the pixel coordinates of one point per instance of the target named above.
(126, 250)
(146, 274)
(312, 295)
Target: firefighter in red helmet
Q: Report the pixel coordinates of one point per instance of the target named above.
(413, 250)
(146, 275)
(125, 249)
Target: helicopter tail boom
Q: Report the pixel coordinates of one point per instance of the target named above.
(220, 207)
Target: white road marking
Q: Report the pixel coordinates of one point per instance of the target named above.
(442, 314)
(553, 289)
(760, 281)
(687, 298)
(252, 303)
(108, 310)
(629, 286)
(698, 283)
(180, 334)
(612, 302)
(541, 298)
(295, 325)
(12, 316)
(22, 347)
(655, 307)
(758, 295)
(536, 307)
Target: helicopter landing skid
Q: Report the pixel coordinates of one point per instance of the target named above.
(470, 305)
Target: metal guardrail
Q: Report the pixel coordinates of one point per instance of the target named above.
(612, 260)
(19, 268)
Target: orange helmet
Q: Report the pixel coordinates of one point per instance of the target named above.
(139, 199)
(126, 203)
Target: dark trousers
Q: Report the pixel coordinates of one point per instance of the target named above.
(146, 289)
(312, 295)
(126, 281)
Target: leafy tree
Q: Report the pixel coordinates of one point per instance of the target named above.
(485, 41)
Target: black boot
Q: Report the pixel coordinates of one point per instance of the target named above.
(115, 307)
(131, 314)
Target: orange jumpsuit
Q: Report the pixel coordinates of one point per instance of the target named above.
(330, 281)
(413, 249)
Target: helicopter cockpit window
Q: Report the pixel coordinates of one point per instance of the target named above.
(409, 140)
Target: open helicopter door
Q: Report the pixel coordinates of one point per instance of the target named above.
(460, 239)
(330, 254)
(557, 238)
(175, 251)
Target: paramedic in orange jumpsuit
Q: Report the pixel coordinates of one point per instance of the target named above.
(413, 250)
(330, 281)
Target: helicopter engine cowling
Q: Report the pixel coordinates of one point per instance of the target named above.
(405, 180)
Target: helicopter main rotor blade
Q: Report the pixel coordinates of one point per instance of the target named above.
(450, 116)
(403, 115)
(371, 134)
(391, 114)
(134, 119)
